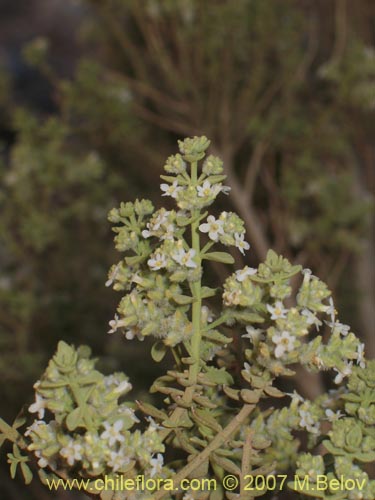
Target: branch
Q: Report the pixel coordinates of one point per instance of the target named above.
(162, 121)
(241, 202)
(341, 30)
(146, 90)
(254, 168)
(246, 465)
(218, 440)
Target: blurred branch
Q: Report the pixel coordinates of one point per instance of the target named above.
(312, 49)
(341, 30)
(241, 201)
(253, 168)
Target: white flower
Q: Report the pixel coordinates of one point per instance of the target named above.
(284, 343)
(330, 310)
(117, 460)
(296, 398)
(225, 189)
(333, 415)
(206, 190)
(129, 412)
(306, 275)
(160, 219)
(185, 258)
(157, 464)
(232, 298)
(339, 327)
(112, 275)
(170, 189)
(158, 261)
(311, 319)
(277, 311)
(254, 334)
(112, 432)
(243, 273)
(42, 462)
(124, 386)
(207, 314)
(247, 367)
(34, 427)
(361, 355)
(72, 452)
(214, 227)
(153, 425)
(146, 233)
(240, 243)
(132, 333)
(38, 406)
(341, 374)
(169, 230)
(307, 422)
(114, 324)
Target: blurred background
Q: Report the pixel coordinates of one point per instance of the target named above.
(93, 97)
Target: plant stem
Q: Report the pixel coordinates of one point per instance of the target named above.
(218, 440)
(196, 288)
(12, 434)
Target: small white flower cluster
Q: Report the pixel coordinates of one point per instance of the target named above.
(162, 225)
(190, 197)
(228, 229)
(168, 257)
(104, 442)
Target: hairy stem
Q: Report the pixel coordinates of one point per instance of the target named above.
(218, 440)
(196, 288)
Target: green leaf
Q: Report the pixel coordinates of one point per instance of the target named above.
(213, 179)
(206, 292)
(216, 336)
(151, 410)
(26, 472)
(158, 351)
(203, 417)
(219, 376)
(226, 464)
(136, 259)
(74, 419)
(223, 257)
(248, 317)
(250, 397)
(274, 392)
(182, 299)
(13, 466)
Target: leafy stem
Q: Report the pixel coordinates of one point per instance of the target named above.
(218, 440)
(196, 289)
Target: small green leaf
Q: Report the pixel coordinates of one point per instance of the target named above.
(274, 392)
(207, 292)
(216, 336)
(250, 397)
(136, 259)
(151, 410)
(74, 419)
(219, 376)
(13, 466)
(203, 417)
(158, 351)
(223, 257)
(226, 464)
(26, 472)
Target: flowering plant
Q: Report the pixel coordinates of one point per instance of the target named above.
(215, 418)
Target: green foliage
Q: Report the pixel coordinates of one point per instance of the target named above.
(211, 415)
